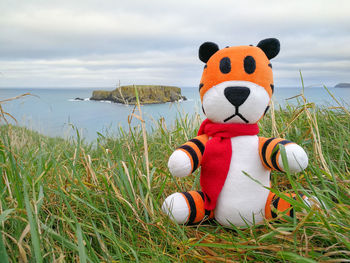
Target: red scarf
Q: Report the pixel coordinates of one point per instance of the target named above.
(217, 156)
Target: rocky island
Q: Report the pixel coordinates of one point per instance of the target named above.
(148, 94)
(342, 85)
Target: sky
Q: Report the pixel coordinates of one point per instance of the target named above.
(95, 43)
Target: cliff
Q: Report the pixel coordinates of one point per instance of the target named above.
(342, 85)
(148, 94)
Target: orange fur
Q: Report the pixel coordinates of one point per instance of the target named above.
(282, 205)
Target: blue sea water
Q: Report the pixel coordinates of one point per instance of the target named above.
(53, 111)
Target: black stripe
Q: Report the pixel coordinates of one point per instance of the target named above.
(201, 194)
(267, 108)
(275, 202)
(199, 145)
(272, 87)
(270, 65)
(201, 86)
(193, 208)
(273, 158)
(263, 151)
(193, 155)
(205, 66)
(274, 155)
(291, 212)
(206, 212)
(273, 214)
(284, 142)
(275, 205)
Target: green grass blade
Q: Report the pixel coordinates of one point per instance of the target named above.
(3, 253)
(33, 226)
(81, 246)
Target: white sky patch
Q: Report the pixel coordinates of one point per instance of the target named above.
(97, 43)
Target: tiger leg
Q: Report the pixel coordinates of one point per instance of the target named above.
(186, 207)
(275, 204)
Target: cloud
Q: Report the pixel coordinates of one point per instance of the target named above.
(96, 43)
(154, 67)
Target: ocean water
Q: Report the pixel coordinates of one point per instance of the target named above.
(54, 112)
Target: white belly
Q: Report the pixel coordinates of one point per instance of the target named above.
(242, 199)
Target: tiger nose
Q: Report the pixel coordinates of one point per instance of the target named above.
(237, 95)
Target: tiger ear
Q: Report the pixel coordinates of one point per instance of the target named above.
(206, 50)
(270, 46)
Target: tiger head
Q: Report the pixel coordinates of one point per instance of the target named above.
(237, 82)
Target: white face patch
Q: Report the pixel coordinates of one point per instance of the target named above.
(244, 109)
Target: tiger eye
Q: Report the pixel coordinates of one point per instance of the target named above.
(225, 65)
(249, 64)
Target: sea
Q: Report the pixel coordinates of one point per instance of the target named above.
(57, 112)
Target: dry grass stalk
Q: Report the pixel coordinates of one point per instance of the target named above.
(273, 120)
(4, 114)
(129, 179)
(21, 250)
(312, 120)
(145, 144)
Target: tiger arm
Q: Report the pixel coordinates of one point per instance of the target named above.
(271, 158)
(188, 157)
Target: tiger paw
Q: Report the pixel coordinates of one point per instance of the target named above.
(179, 164)
(175, 206)
(296, 156)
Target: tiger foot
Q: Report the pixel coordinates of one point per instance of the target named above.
(186, 207)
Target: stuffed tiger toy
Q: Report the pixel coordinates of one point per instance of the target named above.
(235, 91)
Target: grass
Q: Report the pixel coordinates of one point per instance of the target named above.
(71, 201)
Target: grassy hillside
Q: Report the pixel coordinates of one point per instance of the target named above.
(69, 201)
